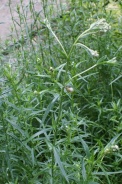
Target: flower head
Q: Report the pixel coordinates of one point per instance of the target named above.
(93, 52)
(112, 61)
(111, 149)
(101, 25)
(115, 147)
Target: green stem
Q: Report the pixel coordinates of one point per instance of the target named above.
(85, 70)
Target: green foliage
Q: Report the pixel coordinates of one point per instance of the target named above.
(60, 100)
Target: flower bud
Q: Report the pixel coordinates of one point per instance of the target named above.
(51, 69)
(69, 89)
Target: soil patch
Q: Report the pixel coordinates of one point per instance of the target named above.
(5, 15)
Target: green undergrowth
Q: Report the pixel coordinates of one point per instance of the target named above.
(61, 96)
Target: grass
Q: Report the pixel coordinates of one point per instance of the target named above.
(60, 96)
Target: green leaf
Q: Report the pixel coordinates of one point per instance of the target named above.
(15, 126)
(32, 156)
(84, 171)
(105, 173)
(50, 106)
(85, 146)
(92, 182)
(108, 173)
(43, 131)
(113, 140)
(58, 161)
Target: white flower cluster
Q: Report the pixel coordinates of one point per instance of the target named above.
(101, 25)
(112, 61)
(115, 147)
(94, 52)
(112, 148)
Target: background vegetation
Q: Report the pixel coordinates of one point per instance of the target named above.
(61, 95)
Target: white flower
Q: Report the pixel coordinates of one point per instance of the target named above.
(115, 147)
(111, 148)
(107, 150)
(112, 61)
(94, 52)
(101, 24)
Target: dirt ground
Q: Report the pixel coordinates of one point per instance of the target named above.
(5, 15)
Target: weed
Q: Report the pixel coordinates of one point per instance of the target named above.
(60, 96)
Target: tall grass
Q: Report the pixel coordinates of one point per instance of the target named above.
(60, 95)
